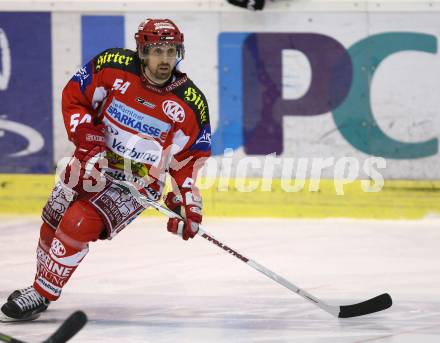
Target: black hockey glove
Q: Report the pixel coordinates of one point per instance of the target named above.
(249, 4)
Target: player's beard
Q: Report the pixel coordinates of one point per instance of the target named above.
(162, 72)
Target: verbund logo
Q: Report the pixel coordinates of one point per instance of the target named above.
(131, 146)
(252, 106)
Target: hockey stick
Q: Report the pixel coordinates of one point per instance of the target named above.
(378, 303)
(66, 331)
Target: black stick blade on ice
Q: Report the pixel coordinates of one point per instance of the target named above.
(376, 304)
(69, 328)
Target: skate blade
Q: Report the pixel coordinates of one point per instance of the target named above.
(5, 319)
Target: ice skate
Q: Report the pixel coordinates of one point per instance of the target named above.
(23, 305)
(18, 292)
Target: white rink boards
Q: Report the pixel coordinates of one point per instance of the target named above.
(148, 286)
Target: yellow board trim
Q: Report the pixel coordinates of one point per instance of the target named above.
(22, 194)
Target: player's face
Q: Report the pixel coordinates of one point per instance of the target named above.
(160, 62)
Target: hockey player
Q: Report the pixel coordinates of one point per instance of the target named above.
(147, 118)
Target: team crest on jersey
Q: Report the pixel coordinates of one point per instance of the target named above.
(173, 111)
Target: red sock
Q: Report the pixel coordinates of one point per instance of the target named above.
(80, 225)
(56, 267)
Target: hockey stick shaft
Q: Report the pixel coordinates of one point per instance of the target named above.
(270, 274)
(372, 305)
(378, 303)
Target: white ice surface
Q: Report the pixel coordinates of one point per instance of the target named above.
(149, 286)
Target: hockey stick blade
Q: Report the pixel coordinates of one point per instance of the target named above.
(376, 304)
(69, 328)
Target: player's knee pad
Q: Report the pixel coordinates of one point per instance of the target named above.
(81, 223)
(47, 234)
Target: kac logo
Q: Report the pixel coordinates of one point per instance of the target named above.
(58, 248)
(173, 111)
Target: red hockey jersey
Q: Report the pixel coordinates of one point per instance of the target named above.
(146, 125)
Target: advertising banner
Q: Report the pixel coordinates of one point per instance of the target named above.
(315, 85)
(25, 93)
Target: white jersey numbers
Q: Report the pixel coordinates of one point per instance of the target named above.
(120, 85)
(76, 119)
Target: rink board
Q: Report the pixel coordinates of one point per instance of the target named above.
(27, 194)
(380, 99)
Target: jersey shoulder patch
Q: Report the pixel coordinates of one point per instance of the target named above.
(195, 99)
(123, 59)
